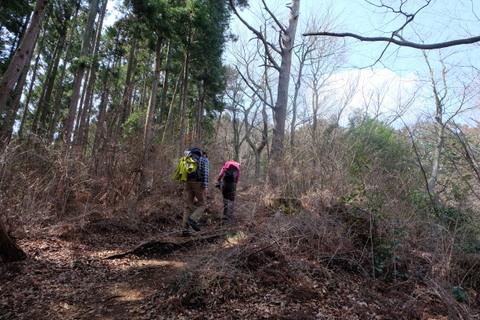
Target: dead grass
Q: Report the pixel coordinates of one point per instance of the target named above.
(319, 263)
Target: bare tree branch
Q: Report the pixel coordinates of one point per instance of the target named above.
(424, 172)
(259, 35)
(255, 88)
(468, 153)
(280, 25)
(399, 42)
(408, 16)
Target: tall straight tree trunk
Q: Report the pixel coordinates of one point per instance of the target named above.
(144, 90)
(100, 131)
(101, 136)
(287, 41)
(86, 110)
(184, 93)
(200, 111)
(22, 55)
(29, 96)
(114, 118)
(280, 114)
(148, 130)
(166, 78)
(183, 102)
(81, 107)
(169, 126)
(14, 105)
(90, 83)
(59, 90)
(126, 104)
(18, 38)
(77, 82)
(45, 108)
(57, 99)
(315, 108)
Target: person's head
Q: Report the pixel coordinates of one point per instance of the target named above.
(205, 154)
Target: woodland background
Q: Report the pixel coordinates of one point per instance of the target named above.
(345, 210)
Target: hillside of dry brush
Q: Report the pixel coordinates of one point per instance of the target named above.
(97, 249)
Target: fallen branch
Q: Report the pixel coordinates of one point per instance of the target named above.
(168, 245)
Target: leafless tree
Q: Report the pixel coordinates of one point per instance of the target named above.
(396, 36)
(443, 119)
(285, 50)
(252, 97)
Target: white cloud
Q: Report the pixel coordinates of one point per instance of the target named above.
(381, 93)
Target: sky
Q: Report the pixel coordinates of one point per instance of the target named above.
(395, 73)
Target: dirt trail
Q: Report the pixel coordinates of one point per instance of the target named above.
(72, 272)
(265, 267)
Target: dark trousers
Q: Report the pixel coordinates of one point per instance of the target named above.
(228, 192)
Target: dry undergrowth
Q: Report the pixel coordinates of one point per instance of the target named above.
(327, 261)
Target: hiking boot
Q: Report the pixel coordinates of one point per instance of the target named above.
(186, 233)
(192, 223)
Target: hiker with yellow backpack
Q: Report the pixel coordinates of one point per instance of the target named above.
(194, 169)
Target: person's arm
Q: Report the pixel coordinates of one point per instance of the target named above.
(220, 176)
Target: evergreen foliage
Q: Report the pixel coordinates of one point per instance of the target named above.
(13, 18)
(374, 142)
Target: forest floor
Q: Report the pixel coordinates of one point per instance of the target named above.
(268, 265)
